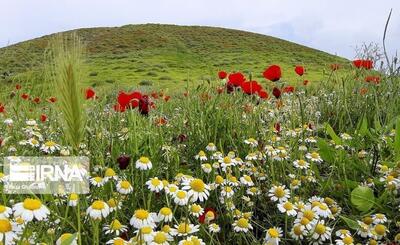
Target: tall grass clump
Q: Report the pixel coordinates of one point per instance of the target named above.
(65, 61)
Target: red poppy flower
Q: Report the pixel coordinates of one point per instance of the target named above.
(276, 92)
(373, 79)
(43, 118)
(299, 70)
(236, 79)
(273, 73)
(25, 96)
(90, 93)
(277, 127)
(367, 64)
(251, 87)
(154, 95)
(52, 99)
(144, 105)
(2, 108)
(263, 94)
(129, 100)
(230, 88)
(305, 82)
(36, 100)
(202, 218)
(335, 67)
(288, 89)
(17, 87)
(222, 74)
(167, 97)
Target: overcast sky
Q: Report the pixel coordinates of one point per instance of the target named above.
(333, 26)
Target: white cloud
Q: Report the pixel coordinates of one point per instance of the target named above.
(333, 26)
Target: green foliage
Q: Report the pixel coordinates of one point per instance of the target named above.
(363, 198)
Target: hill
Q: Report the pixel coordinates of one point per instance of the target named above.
(168, 55)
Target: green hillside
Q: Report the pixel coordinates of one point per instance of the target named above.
(170, 56)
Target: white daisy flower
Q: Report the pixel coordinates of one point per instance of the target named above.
(279, 193)
(379, 218)
(114, 204)
(314, 157)
(321, 232)
(181, 197)
(31, 209)
(227, 192)
(50, 147)
(252, 142)
(98, 210)
(9, 231)
(273, 235)
(206, 167)
(346, 240)
(142, 218)
(155, 185)
(118, 241)
(184, 229)
(201, 156)
(298, 232)
(5, 212)
(214, 228)
(288, 208)
(196, 210)
(197, 190)
(246, 180)
(73, 200)
(124, 187)
(301, 164)
(97, 181)
(144, 163)
(115, 227)
(211, 147)
(165, 215)
(192, 240)
(145, 234)
(161, 238)
(242, 225)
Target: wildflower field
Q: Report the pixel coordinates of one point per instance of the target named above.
(231, 161)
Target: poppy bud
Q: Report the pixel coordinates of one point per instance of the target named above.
(123, 161)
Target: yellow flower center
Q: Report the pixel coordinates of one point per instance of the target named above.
(144, 160)
(309, 214)
(5, 226)
(115, 225)
(172, 189)
(304, 221)
(187, 243)
(146, 230)
(32, 204)
(65, 236)
(297, 230)
(195, 208)
(323, 206)
(380, 229)
(73, 197)
(2, 209)
(320, 229)
(166, 228)
(119, 241)
(181, 194)
(228, 189)
(227, 160)
(301, 162)
(219, 179)
(160, 238)
(197, 185)
(314, 155)
(112, 203)
(98, 179)
(110, 172)
(141, 214)
(243, 223)
(315, 204)
(98, 205)
(348, 240)
(202, 154)
(155, 182)
(165, 211)
(288, 206)
(295, 182)
(279, 192)
(248, 178)
(50, 143)
(184, 228)
(273, 233)
(368, 220)
(125, 184)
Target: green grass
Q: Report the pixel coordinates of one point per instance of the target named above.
(169, 56)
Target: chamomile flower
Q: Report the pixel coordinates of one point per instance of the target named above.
(50, 147)
(155, 185)
(279, 193)
(184, 229)
(5, 212)
(114, 204)
(314, 157)
(196, 210)
(227, 162)
(252, 142)
(142, 218)
(364, 230)
(197, 190)
(97, 181)
(227, 191)
(298, 232)
(143, 163)
(9, 231)
(321, 232)
(161, 238)
(273, 235)
(110, 174)
(288, 208)
(171, 189)
(211, 147)
(145, 233)
(379, 231)
(201, 156)
(118, 241)
(124, 187)
(206, 167)
(191, 240)
(253, 191)
(379, 218)
(346, 240)
(242, 225)
(73, 200)
(115, 227)
(98, 210)
(246, 180)
(31, 209)
(301, 164)
(165, 214)
(33, 142)
(345, 136)
(181, 197)
(214, 228)
(322, 210)
(66, 236)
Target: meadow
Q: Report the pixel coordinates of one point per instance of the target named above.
(230, 160)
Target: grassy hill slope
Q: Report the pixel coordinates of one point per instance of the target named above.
(167, 55)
